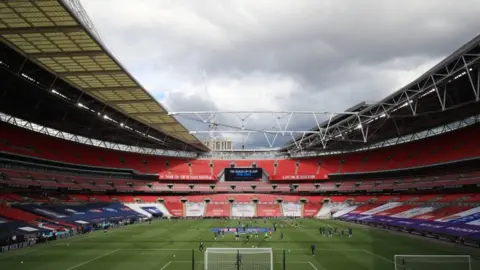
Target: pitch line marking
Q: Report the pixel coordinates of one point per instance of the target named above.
(378, 256)
(291, 262)
(313, 265)
(165, 266)
(276, 250)
(323, 249)
(96, 258)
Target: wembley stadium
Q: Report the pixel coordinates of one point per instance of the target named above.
(95, 173)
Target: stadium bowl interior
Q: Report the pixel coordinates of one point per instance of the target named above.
(85, 183)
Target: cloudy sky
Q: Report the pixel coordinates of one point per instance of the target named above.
(279, 55)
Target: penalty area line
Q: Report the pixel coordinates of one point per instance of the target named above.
(165, 266)
(378, 256)
(319, 266)
(322, 249)
(94, 259)
(275, 250)
(313, 265)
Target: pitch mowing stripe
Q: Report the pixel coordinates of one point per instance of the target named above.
(17, 254)
(96, 258)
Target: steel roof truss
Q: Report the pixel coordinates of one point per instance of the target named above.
(461, 65)
(84, 140)
(472, 84)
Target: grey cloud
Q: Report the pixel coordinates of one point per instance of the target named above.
(325, 55)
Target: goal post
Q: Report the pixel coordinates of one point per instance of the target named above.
(238, 258)
(433, 262)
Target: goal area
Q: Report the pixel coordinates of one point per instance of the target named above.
(433, 262)
(238, 258)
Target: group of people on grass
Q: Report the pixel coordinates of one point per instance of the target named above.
(324, 231)
(330, 232)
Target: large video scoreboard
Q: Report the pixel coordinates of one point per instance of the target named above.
(243, 174)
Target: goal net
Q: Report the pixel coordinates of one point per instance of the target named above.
(238, 258)
(433, 262)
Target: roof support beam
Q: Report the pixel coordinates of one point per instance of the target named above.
(147, 113)
(92, 72)
(36, 30)
(129, 101)
(113, 88)
(80, 139)
(471, 79)
(256, 131)
(478, 85)
(67, 54)
(165, 124)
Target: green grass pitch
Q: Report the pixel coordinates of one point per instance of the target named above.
(167, 245)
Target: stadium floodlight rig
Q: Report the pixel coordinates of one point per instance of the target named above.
(447, 94)
(462, 63)
(280, 129)
(452, 84)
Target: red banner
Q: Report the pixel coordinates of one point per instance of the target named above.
(185, 177)
(299, 177)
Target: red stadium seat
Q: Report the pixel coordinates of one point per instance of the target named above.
(457, 145)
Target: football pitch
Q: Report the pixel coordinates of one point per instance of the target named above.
(168, 245)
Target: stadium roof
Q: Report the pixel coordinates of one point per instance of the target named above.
(448, 92)
(57, 35)
(339, 117)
